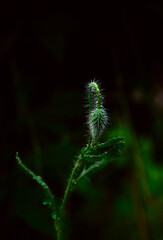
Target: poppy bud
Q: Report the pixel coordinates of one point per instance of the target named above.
(97, 122)
(97, 119)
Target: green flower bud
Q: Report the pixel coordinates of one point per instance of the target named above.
(97, 122)
(97, 119)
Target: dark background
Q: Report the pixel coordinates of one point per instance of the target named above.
(46, 60)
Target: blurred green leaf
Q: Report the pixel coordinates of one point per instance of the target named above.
(27, 204)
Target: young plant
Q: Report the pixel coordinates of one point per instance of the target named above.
(92, 158)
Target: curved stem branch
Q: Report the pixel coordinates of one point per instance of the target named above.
(68, 187)
(70, 182)
(94, 84)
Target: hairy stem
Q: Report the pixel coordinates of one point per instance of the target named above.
(58, 229)
(94, 84)
(59, 220)
(58, 236)
(69, 188)
(78, 162)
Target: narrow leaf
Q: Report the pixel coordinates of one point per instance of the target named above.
(108, 143)
(49, 198)
(94, 158)
(113, 153)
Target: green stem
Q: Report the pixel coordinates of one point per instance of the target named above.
(89, 144)
(94, 84)
(58, 236)
(57, 227)
(59, 233)
(68, 189)
(59, 220)
(69, 185)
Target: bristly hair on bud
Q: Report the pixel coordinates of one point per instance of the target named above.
(97, 118)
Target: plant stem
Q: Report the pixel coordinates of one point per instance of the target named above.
(59, 220)
(77, 165)
(58, 235)
(89, 144)
(98, 103)
(68, 189)
(69, 184)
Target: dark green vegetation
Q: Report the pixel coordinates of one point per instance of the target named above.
(91, 159)
(45, 60)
